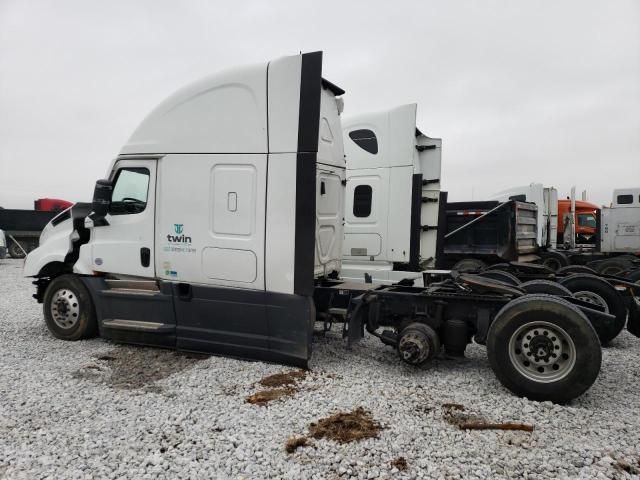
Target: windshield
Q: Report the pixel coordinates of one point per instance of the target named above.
(587, 220)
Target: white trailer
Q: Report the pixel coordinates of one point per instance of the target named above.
(391, 203)
(620, 231)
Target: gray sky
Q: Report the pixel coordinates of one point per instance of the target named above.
(519, 91)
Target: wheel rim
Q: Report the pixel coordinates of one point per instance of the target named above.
(542, 352)
(15, 251)
(593, 298)
(65, 308)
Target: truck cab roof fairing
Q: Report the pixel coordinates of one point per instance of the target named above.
(395, 135)
(227, 113)
(222, 113)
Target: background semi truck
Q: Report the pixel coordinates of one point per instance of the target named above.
(615, 244)
(23, 227)
(219, 230)
(398, 222)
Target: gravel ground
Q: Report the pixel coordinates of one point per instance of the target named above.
(93, 409)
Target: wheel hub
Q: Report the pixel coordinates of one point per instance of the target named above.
(64, 308)
(542, 351)
(592, 298)
(414, 348)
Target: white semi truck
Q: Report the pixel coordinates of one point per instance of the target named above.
(398, 222)
(219, 230)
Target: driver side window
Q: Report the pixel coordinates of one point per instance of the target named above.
(130, 190)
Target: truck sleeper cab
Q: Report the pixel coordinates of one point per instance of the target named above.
(393, 196)
(218, 215)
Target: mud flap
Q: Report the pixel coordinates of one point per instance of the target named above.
(356, 315)
(633, 320)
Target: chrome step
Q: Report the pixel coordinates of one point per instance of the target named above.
(129, 291)
(128, 284)
(138, 325)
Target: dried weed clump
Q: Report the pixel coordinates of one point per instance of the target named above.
(283, 379)
(346, 427)
(293, 443)
(265, 396)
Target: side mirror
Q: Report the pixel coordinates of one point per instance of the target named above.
(101, 201)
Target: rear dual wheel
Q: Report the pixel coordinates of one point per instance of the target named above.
(597, 291)
(614, 266)
(554, 260)
(544, 348)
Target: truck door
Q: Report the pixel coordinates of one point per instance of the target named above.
(125, 246)
(367, 201)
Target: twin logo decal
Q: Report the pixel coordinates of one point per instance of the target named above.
(178, 242)
(179, 237)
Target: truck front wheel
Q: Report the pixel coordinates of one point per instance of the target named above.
(544, 348)
(68, 309)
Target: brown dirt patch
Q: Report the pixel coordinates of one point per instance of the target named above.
(283, 379)
(136, 368)
(455, 414)
(293, 443)
(265, 396)
(630, 467)
(400, 463)
(346, 427)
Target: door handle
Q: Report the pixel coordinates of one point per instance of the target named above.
(145, 256)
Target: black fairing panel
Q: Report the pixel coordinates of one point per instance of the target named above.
(111, 305)
(245, 323)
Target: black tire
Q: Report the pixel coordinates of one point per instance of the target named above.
(15, 251)
(68, 309)
(613, 266)
(414, 335)
(469, 265)
(499, 266)
(501, 276)
(545, 287)
(634, 276)
(554, 260)
(576, 269)
(580, 283)
(506, 352)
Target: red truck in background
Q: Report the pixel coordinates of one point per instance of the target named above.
(585, 221)
(51, 205)
(22, 228)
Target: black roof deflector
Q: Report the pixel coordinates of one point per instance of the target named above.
(336, 90)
